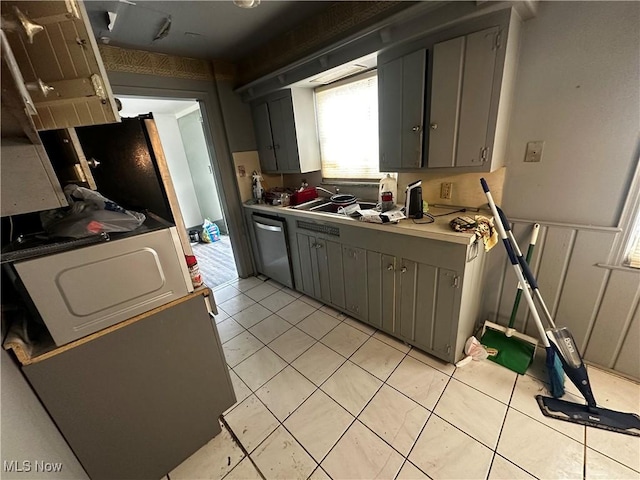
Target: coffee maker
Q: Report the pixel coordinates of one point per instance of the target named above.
(413, 202)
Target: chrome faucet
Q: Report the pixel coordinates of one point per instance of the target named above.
(329, 191)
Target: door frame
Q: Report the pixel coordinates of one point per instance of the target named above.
(206, 94)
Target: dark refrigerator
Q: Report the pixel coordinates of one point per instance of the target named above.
(124, 166)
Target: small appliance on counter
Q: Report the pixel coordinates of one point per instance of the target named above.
(413, 203)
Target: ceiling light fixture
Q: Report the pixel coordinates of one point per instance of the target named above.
(246, 3)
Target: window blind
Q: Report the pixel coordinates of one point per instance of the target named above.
(348, 128)
(633, 257)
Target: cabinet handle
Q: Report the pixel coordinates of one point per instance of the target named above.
(417, 128)
(269, 147)
(318, 245)
(404, 269)
(434, 126)
(276, 146)
(390, 266)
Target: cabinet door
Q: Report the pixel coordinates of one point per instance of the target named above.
(406, 307)
(336, 273)
(306, 252)
(283, 130)
(479, 63)
(446, 85)
(390, 115)
(413, 84)
(355, 280)
(426, 305)
(381, 288)
(262, 125)
(461, 89)
(320, 261)
(401, 111)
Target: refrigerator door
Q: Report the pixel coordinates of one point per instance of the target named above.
(126, 170)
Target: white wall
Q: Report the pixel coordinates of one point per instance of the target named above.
(179, 168)
(578, 90)
(28, 433)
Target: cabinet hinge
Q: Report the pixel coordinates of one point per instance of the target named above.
(498, 40)
(483, 154)
(456, 281)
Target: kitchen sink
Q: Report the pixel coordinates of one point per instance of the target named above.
(324, 205)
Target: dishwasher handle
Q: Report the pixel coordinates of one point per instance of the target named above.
(271, 228)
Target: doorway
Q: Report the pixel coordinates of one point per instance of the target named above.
(179, 124)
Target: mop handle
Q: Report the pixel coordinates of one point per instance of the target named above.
(524, 264)
(514, 263)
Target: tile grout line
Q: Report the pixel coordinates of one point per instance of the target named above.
(244, 450)
(504, 420)
(355, 419)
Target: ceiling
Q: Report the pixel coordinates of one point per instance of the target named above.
(202, 29)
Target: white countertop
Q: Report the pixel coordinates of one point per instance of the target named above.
(438, 230)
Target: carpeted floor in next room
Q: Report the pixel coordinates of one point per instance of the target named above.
(216, 261)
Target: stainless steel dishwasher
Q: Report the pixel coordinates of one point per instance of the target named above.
(273, 249)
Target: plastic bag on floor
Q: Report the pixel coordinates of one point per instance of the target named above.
(90, 214)
(210, 231)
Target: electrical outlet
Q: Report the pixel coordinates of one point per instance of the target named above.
(534, 151)
(445, 190)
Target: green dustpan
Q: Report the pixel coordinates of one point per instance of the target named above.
(511, 352)
(505, 345)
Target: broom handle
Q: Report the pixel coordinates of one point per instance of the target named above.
(526, 269)
(514, 263)
(516, 303)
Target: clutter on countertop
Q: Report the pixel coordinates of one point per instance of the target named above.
(376, 216)
(480, 225)
(89, 214)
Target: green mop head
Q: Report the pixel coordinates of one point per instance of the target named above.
(555, 373)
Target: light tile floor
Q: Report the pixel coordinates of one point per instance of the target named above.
(321, 395)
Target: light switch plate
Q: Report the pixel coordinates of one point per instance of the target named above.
(534, 151)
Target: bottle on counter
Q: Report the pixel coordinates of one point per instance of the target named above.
(388, 193)
(194, 271)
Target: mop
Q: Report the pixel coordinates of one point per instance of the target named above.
(513, 350)
(554, 367)
(567, 351)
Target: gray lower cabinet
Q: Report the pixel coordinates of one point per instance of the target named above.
(321, 267)
(413, 301)
(422, 291)
(355, 280)
(139, 400)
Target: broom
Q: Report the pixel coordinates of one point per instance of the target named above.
(513, 350)
(554, 366)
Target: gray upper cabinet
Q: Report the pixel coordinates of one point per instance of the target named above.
(445, 99)
(285, 131)
(462, 86)
(401, 111)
